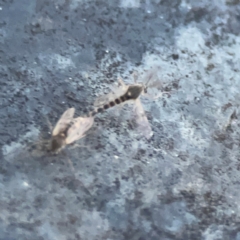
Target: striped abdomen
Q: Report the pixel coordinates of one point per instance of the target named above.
(133, 92)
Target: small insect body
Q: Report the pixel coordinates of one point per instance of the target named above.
(69, 130)
(126, 93)
(66, 131)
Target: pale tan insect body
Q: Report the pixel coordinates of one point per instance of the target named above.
(69, 130)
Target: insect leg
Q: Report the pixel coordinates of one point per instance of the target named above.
(79, 145)
(71, 165)
(48, 123)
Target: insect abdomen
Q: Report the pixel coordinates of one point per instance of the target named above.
(132, 93)
(106, 106)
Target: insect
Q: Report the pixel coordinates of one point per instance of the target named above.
(126, 93)
(69, 130)
(66, 131)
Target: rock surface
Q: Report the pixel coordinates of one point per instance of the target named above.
(182, 183)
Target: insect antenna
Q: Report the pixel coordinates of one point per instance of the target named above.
(152, 79)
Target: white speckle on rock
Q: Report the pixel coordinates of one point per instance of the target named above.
(25, 184)
(130, 3)
(190, 39)
(15, 148)
(186, 5)
(62, 62)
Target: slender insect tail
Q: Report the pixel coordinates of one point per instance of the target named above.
(98, 110)
(92, 113)
(104, 107)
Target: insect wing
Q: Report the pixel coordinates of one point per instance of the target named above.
(79, 128)
(64, 121)
(151, 78)
(141, 120)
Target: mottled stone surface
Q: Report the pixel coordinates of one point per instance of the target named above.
(181, 184)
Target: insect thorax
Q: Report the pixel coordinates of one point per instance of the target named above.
(133, 92)
(57, 142)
